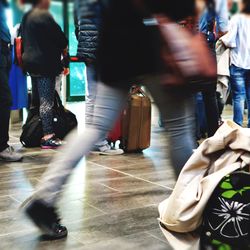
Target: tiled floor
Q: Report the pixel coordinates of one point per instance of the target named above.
(109, 203)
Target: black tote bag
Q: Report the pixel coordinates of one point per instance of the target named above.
(63, 122)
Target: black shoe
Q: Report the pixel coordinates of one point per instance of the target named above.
(51, 143)
(46, 219)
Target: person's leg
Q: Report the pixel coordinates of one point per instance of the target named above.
(35, 100)
(41, 206)
(102, 146)
(91, 88)
(238, 93)
(221, 104)
(108, 105)
(211, 109)
(6, 152)
(46, 90)
(201, 122)
(5, 100)
(178, 110)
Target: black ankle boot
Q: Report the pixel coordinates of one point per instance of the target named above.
(46, 219)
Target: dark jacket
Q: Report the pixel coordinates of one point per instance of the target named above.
(87, 15)
(43, 43)
(4, 30)
(127, 47)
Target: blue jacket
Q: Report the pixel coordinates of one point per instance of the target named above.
(87, 14)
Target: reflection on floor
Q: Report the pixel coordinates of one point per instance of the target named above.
(109, 202)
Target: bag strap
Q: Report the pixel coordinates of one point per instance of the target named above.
(58, 101)
(22, 24)
(21, 27)
(211, 9)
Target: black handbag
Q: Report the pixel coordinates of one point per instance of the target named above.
(63, 122)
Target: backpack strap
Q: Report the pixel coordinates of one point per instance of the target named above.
(212, 14)
(22, 24)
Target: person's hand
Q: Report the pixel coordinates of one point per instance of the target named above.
(220, 34)
(65, 52)
(66, 71)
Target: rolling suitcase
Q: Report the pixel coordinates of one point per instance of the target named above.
(136, 122)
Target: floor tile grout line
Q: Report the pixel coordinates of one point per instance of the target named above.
(129, 209)
(77, 240)
(95, 207)
(21, 179)
(155, 237)
(127, 165)
(117, 237)
(27, 168)
(113, 212)
(37, 179)
(119, 191)
(38, 152)
(15, 232)
(4, 196)
(86, 219)
(13, 198)
(138, 178)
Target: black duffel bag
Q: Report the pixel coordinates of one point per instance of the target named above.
(63, 122)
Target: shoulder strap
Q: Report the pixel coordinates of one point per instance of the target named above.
(22, 24)
(212, 14)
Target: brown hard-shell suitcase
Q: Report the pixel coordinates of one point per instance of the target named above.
(136, 122)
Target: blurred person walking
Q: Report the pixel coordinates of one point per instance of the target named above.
(238, 40)
(128, 52)
(44, 43)
(87, 24)
(6, 152)
(213, 24)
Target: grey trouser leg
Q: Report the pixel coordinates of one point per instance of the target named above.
(177, 108)
(5, 97)
(91, 89)
(109, 103)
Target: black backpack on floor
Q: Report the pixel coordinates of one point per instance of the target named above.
(226, 224)
(63, 122)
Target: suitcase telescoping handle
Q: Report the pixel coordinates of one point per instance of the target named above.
(137, 90)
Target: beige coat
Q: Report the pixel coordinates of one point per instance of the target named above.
(223, 64)
(225, 152)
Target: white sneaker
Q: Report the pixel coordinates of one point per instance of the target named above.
(107, 150)
(10, 155)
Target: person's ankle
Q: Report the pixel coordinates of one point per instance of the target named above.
(46, 218)
(48, 136)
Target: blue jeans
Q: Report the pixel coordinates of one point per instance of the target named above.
(240, 84)
(177, 110)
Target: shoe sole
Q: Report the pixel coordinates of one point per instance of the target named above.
(50, 237)
(8, 160)
(103, 153)
(43, 231)
(48, 147)
(23, 207)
